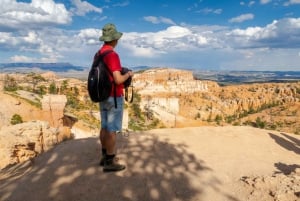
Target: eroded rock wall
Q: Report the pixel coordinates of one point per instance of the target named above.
(53, 109)
(24, 141)
(178, 92)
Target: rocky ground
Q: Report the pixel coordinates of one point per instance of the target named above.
(203, 163)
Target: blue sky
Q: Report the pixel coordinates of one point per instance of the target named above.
(192, 34)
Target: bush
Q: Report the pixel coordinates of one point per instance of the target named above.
(198, 116)
(10, 84)
(52, 88)
(16, 119)
(259, 123)
(73, 102)
(218, 119)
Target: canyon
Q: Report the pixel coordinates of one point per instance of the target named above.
(174, 97)
(201, 126)
(177, 95)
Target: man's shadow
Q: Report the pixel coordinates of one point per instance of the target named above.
(288, 142)
(285, 168)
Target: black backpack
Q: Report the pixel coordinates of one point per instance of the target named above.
(99, 84)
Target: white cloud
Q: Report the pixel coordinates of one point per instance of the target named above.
(172, 39)
(173, 32)
(26, 59)
(218, 11)
(158, 20)
(5, 37)
(167, 21)
(184, 45)
(48, 44)
(23, 58)
(31, 38)
(90, 36)
(282, 33)
(19, 41)
(210, 10)
(152, 19)
(146, 52)
(264, 59)
(291, 2)
(265, 1)
(20, 58)
(242, 18)
(18, 15)
(83, 7)
(251, 3)
(122, 4)
(249, 32)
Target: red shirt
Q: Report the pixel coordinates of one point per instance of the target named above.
(112, 60)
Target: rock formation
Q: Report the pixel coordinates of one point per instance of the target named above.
(166, 81)
(25, 141)
(179, 93)
(53, 109)
(283, 187)
(44, 128)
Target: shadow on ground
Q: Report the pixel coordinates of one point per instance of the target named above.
(156, 170)
(287, 141)
(291, 144)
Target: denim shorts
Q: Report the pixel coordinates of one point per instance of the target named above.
(111, 117)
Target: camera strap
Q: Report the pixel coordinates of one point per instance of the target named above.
(127, 92)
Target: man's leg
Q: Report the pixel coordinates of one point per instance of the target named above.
(110, 164)
(114, 123)
(103, 145)
(110, 142)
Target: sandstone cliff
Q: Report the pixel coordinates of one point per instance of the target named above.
(25, 141)
(177, 99)
(53, 109)
(194, 102)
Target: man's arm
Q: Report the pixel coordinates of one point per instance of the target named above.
(119, 78)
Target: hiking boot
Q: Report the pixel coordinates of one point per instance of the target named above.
(101, 163)
(111, 165)
(102, 160)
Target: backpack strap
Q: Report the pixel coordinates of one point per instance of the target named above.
(98, 57)
(101, 56)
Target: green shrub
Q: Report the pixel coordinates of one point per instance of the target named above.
(259, 123)
(218, 119)
(10, 83)
(198, 116)
(52, 88)
(41, 90)
(16, 119)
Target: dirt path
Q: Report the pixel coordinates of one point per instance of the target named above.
(188, 164)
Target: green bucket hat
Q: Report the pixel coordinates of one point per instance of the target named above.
(110, 33)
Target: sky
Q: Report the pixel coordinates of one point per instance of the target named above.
(189, 34)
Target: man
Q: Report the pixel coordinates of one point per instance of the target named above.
(111, 116)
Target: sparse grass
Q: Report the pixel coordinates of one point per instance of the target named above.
(89, 119)
(36, 103)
